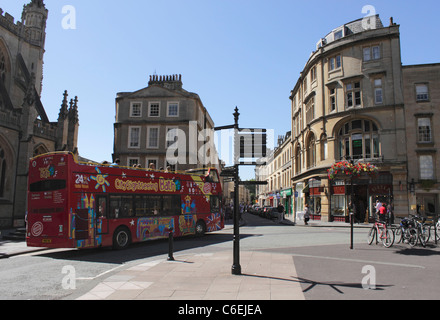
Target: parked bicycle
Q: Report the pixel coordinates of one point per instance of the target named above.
(413, 230)
(381, 232)
(435, 230)
(406, 232)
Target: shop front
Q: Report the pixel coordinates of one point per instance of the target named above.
(286, 201)
(299, 202)
(365, 193)
(314, 199)
(338, 201)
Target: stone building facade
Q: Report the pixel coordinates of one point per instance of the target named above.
(348, 104)
(421, 84)
(165, 125)
(277, 173)
(25, 129)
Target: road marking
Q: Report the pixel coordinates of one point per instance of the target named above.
(99, 275)
(360, 261)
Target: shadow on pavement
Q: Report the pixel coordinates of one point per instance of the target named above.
(312, 284)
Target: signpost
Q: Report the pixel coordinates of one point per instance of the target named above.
(248, 144)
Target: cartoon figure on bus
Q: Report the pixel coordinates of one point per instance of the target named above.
(188, 206)
(187, 224)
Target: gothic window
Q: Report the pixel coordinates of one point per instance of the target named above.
(2, 66)
(3, 169)
(41, 149)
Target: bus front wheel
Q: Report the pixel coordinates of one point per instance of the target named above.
(121, 238)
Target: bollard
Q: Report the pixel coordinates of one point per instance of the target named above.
(170, 245)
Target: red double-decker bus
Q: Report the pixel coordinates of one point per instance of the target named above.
(83, 205)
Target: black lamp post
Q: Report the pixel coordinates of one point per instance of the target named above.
(236, 268)
(352, 208)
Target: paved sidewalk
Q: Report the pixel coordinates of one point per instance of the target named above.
(265, 276)
(14, 248)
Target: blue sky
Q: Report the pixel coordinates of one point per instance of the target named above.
(245, 53)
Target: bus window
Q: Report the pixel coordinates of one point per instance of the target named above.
(171, 205)
(215, 204)
(212, 177)
(121, 207)
(140, 206)
(127, 206)
(101, 204)
(47, 185)
(114, 206)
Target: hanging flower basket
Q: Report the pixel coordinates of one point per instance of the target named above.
(367, 168)
(345, 169)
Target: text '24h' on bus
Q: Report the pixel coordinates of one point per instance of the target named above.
(79, 205)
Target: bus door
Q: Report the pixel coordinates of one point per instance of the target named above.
(102, 220)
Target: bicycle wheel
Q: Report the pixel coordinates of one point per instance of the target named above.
(387, 238)
(422, 234)
(412, 237)
(426, 229)
(371, 235)
(398, 235)
(437, 226)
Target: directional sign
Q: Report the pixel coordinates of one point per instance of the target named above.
(253, 183)
(228, 172)
(252, 143)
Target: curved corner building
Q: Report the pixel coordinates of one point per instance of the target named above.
(348, 105)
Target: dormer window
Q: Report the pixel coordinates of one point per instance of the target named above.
(338, 34)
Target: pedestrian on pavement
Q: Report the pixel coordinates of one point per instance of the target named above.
(306, 214)
(280, 212)
(383, 212)
(353, 210)
(390, 213)
(378, 206)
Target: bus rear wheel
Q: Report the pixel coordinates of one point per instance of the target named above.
(121, 238)
(200, 228)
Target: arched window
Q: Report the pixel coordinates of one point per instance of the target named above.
(2, 66)
(311, 151)
(324, 147)
(298, 159)
(359, 139)
(3, 169)
(41, 149)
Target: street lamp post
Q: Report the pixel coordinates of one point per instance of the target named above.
(236, 268)
(352, 208)
(251, 144)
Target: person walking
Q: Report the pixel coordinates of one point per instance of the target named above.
(383, 213)
(280, 209)
(306, 214)
(378, 206)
